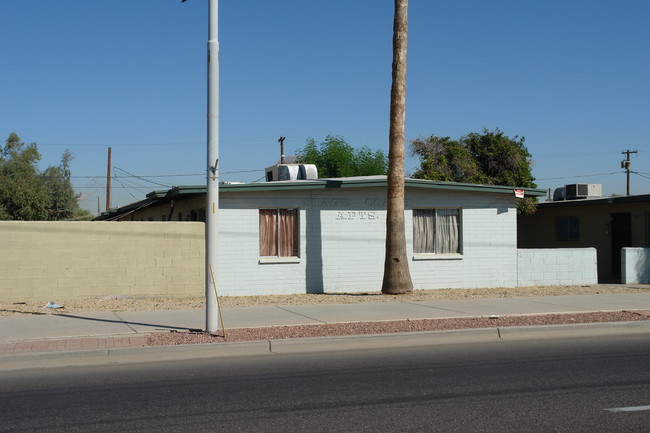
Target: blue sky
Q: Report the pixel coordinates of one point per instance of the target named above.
(571, 76)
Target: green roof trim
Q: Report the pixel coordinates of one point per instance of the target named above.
(375, 182)
(337, 183)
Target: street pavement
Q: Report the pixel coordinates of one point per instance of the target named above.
(60, 332)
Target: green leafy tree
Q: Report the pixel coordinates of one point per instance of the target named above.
(30, 195)
(23, 195)
(490, 158)
(334, 157)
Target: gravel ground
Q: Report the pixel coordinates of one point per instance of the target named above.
(386, 327)
(121, 303)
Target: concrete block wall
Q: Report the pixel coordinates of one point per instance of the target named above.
(42, 261)
(556, 266)
(635, 265)
(342, 242)
(488, 241)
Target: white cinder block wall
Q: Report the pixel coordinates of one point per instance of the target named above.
(635, 265)
(342, 236)
(557, 266)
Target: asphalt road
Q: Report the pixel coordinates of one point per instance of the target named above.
(540, 386)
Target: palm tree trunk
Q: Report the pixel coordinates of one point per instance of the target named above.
(397, 278)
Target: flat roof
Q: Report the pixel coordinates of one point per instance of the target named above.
(374, 181)
(333, 183)
(623, 199)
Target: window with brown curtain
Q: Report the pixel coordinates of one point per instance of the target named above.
(436, 231)
(279, 233)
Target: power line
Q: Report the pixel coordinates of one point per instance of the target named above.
(154, 176)
(127, 190)
(192, 143)
(178, 143)
(140, 177)
(644, 175)
(535, 156)
(583, 175)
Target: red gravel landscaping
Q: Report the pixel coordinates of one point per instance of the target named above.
(384, 327)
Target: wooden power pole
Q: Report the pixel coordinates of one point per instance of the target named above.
(626, 165)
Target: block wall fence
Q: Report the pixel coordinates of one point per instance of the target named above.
(43, 261)
(556, 266)
(635, 265)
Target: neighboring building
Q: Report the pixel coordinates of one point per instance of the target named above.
(329, 234)
(181, 203)
(607, 224)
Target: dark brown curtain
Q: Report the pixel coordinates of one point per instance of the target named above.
(268, 232)
(288, 227)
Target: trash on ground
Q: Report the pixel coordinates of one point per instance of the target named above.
(53, 305)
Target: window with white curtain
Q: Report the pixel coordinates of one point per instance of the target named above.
(279, 233)
(436, 231)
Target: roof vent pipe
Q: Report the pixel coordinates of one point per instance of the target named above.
(281, 141)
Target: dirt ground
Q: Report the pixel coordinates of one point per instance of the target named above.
(122, 303)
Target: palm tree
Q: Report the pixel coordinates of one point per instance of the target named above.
(397, 278)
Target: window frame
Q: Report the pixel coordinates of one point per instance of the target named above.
(570, 233)
(432, 255)
(295, 248)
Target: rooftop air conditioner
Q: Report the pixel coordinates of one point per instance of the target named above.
(559, 194)
(291, 172)
(576, 191)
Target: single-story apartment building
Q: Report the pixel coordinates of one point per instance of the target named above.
(328, 235)
(607, 224)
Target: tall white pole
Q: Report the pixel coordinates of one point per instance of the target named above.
(212, 202)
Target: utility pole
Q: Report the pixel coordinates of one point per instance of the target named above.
(108, 181)
(626, 165)
(212, 314)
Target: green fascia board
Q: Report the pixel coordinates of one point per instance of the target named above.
(342, 183)
(369, 183)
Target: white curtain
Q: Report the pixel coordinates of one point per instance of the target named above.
(447, 231)
(436, 231)
(424, 230)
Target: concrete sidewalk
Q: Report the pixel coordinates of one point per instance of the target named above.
(59, 331)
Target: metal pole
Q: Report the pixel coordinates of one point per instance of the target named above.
(212, 201)
(108, 181)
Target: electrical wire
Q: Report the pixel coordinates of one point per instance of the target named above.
(575, 176)
(535, 156)
(140, 177)
(178, 143)
(154, 176)
(644, 175)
